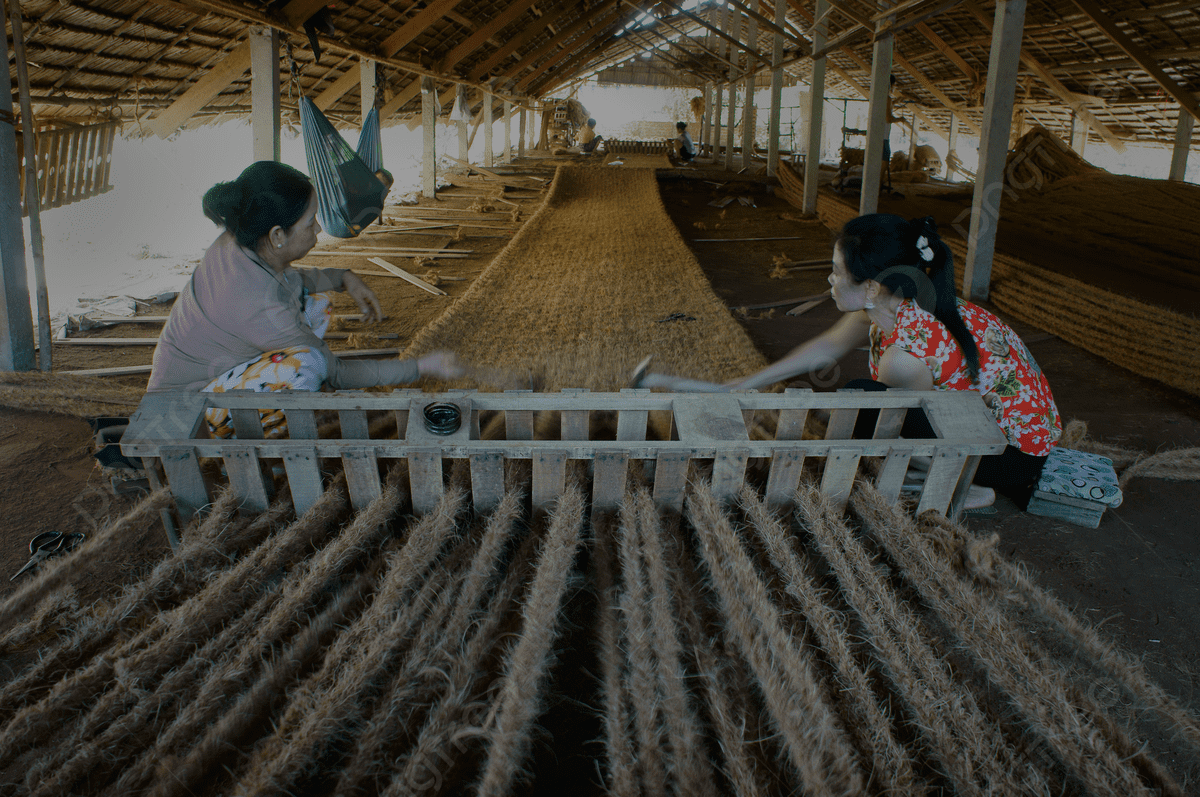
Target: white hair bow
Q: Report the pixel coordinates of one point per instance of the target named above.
(925, 249)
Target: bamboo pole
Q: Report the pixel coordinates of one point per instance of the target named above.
(32, 200)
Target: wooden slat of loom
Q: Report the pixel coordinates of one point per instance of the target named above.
(670, 479)
(841, 424)
(549, 477)
(354, 424)
(247, 424)
(841, 466)
(158, 480)
(729, 471)
(791, 422)
(959, 499)
(608, 483)
(302, 424)
(425, 476)
(182, 469)
(784, 477)
(575, 424)
(404, 395)
(518, 424)
(362, 477)
(631, 424)
(245, 476)
(303, 468)
(890, 422)
(941, 480)
(487, 480)
(891, 475)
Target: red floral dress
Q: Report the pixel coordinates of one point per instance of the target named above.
(1010, 380)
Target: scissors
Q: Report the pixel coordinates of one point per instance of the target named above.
(47, 544)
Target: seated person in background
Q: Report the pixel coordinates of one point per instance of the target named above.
(247, 320)
(894, 281)
(587, 138)
(685, 149)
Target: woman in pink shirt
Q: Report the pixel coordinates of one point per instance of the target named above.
(247, 320)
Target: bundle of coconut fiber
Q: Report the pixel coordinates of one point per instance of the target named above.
(577, 114)
(1040, 158)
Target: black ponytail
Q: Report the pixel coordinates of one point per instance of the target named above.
(911, 260)
(265, 195)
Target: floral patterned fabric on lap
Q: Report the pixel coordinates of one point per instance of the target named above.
(1010, 381)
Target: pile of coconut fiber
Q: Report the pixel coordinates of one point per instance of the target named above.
(596, 280)
(1040, 158)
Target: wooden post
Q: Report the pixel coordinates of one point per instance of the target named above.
(877, 124)
(32, 198)
(912, 143)
(951, 142)
(488, 122)
(748, 117)
(507, 131)
(1079, 134)
(367, 81)
(816, 111)
(16, 322)
(705, 119)
(462, 114)
(776, 90)
(264, 93)
(993, 147)
(1183, 144)
(429, 138)
(733, 29)
(715, 139)
(521, 133)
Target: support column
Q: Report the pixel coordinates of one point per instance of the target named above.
(912, 143)
(462, 115)
(705, 120)
(1079, 134)
(264, 93)
(1183, 145)
(734, 29)
(816, 111)
(32, 195)
(521, 133)
(749, 122)
(488, 122)
(776, 90)
(507, 131)
(877, 126)
(715, 143)
(951, 142)
(993, 147)
(367, 76)
(429, 114)
(16, 318)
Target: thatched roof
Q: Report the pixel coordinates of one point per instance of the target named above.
(1126, 63)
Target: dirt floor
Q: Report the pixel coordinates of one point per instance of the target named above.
(1135, 573)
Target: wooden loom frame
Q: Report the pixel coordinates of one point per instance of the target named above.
(714, 426)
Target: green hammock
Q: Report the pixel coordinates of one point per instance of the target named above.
(349, 195)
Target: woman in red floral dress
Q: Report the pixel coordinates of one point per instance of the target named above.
(894, 281)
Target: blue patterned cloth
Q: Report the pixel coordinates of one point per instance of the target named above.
(1078, 474)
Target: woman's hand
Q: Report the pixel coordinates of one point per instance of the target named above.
(363, 296)
(440, 365)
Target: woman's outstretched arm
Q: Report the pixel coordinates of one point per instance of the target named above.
(850, 332)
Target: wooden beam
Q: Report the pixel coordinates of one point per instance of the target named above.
(1143, 59)
(753, 53)
(776, 92)
(428, 138)
(597, 33)
(421, 22)
(563, 36)
(936, 92)
(895, 10)
(16, 319)
(1056, 87)
(777, 29)
(264, 93)
(227, 70)
(568, 69)
(368, 74)
(929, 121)
(485, 32)
(948, 51)
(338, 89)
(877, 121)
(517, 42)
